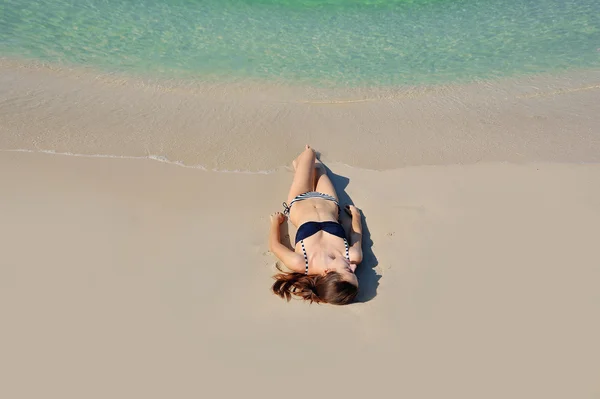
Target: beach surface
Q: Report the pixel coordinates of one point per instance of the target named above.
(132, 278)
(144, 144)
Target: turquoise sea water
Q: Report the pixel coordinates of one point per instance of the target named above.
(328, 42)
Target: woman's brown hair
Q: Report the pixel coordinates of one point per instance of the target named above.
(329, 288)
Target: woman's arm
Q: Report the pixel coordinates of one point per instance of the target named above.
(290, 259)
(355, 252)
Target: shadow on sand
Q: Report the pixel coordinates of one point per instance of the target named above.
(367, 276)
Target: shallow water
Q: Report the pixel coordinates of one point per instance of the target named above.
(243, 85)
(262, 127)
(326, 43)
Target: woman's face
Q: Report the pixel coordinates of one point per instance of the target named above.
(344, 268)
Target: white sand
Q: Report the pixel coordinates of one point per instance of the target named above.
(135, 279)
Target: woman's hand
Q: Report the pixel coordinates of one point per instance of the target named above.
(355, 253)
(277, 218)
(352, 211)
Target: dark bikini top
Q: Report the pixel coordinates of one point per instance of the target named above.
(310, 228)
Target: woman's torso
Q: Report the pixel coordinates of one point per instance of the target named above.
(321, 248)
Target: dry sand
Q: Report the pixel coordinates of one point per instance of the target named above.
(130, 278)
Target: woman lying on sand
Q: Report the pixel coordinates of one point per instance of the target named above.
(323, 262)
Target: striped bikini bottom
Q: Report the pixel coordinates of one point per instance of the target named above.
(308, 195)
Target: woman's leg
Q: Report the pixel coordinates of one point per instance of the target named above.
(304, 176)
(322, 181)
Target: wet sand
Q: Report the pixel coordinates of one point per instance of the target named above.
(256, 126)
